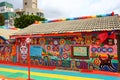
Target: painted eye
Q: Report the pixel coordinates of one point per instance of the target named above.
(110, 49)
(99, 49)
(94, 49)
(104, 49)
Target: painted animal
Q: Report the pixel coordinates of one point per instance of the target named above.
(106, 62)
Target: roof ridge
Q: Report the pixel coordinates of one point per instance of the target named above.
(76, 18)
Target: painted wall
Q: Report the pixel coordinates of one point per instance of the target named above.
(93, 51)
(7, 50)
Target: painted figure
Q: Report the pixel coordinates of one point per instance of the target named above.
(7, 53)
(46, 60)
(73, 64)
(23, 51)
(107, 62)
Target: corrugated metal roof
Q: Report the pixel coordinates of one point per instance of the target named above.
(80, 25)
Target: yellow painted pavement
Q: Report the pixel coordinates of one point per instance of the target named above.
(62, 77)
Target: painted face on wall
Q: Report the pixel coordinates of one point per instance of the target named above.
(7, 49)
(23, 51)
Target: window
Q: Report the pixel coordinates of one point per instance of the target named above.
(37, 14)
(80, 52)
(25, 3)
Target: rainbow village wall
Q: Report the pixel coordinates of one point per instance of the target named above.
(89, 51)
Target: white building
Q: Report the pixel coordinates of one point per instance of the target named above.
(8, 12)
(6, 7)
(30, 7)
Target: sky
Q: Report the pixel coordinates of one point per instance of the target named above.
(56, 9)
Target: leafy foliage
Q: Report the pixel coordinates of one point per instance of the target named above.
(26, 20)
(2, 20)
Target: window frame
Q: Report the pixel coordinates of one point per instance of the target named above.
(79, 57)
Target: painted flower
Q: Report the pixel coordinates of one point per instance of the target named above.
(96, 61)
(62, 41)
(42, 41)
(48, 47)
(65, 55)
(67, 47)
(55, 42)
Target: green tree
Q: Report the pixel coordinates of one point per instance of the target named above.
(2, 20)
(26, 20)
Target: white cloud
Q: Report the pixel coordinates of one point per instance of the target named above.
(105, 6)
(68, 8)
(73, 8)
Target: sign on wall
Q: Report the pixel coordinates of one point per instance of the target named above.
(35, 51)
(80, 52)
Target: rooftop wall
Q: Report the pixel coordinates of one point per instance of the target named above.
(6, 4)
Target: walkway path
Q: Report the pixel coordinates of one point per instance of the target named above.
(37, 74)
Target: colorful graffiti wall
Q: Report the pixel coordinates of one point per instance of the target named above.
(93, 51)
(7, 50)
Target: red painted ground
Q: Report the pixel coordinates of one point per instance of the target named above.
(33, 66)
